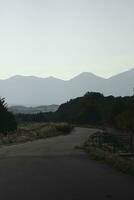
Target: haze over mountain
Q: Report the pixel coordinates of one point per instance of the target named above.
(34, 91)
(33, 110)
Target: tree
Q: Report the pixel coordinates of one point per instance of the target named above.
(7, 120)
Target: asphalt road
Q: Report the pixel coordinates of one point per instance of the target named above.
(53, 169)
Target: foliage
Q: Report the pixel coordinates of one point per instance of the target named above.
(7, 120)
(93, 109)
(33, 131)
(122, 164)
(64, 127)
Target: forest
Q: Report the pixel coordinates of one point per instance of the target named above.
(91, 109)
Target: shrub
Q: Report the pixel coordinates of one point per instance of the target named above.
(64, 127)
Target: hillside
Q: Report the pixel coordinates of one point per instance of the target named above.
(92, 109)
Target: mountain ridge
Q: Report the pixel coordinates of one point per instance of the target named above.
(32, 90)
(80, 74)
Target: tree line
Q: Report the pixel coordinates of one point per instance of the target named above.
(94, 109)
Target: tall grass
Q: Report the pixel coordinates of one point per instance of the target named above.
(123, 164)
(32, 131)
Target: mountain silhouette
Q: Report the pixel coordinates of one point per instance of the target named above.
(34, 91)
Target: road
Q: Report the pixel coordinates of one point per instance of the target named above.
(52, 169)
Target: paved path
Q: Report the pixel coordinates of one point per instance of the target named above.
(53, 169)
(60, 145)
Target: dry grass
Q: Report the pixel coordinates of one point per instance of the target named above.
(32, 131)
(123, 164)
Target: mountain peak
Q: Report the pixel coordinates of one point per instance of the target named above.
(86, 75)
(17, 77)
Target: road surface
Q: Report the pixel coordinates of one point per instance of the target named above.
(52, 169)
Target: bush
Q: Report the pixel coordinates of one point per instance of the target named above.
(64, 127)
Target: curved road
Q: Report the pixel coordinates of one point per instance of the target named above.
(52, 169)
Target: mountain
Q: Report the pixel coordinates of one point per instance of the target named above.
(32, 110)
(31, 90)
(122, 84)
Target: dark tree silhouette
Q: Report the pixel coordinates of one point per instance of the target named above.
(93, 108)
(7, 120)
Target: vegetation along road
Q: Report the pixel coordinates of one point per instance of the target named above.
(53, 169)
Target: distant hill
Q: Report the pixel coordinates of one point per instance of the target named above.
(30, 90)
(32, 110)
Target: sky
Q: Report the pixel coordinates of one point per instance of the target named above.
(63, 38)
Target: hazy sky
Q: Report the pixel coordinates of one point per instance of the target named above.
(65, 37)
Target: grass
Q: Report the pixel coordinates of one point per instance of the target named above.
(33, 131)
(123, 164)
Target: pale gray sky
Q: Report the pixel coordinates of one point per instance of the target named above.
(63, 38)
